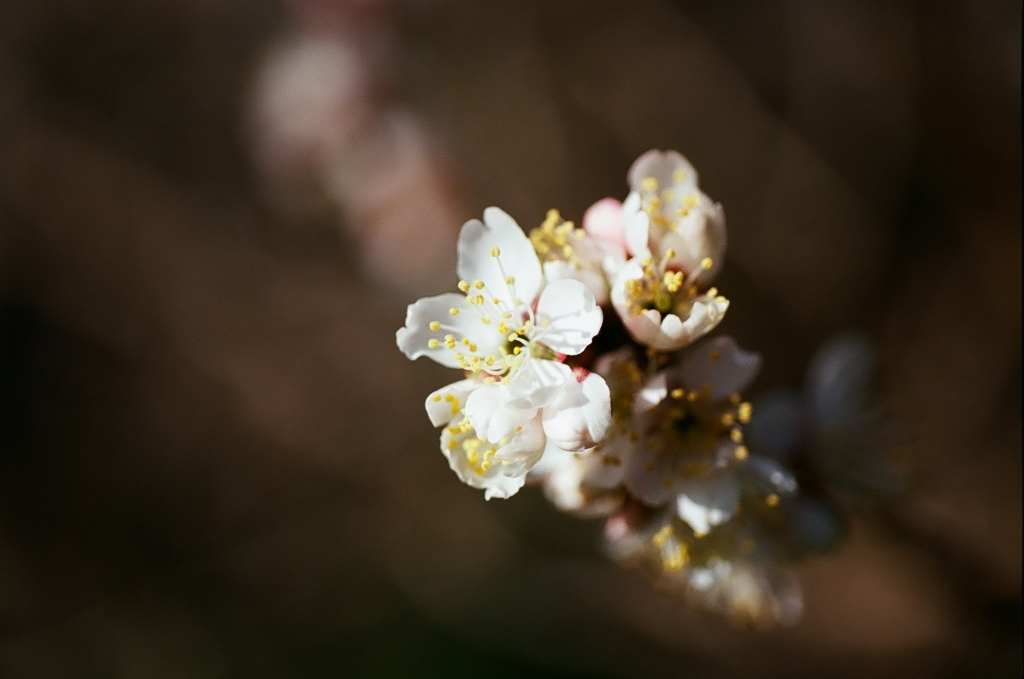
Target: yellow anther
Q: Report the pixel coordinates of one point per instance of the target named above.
(464, 286)
(677, 393)
(486, 320)
(479, 299)
(662, 535)
(678, 175)
(706, 263)
(511, 280)
(741, 452)
(674, 559)
(437, 398)
(772, 500)
(736, 435)
(512, 337)
(728, 419)
(453, 311)
(435, 325)
(516, 350)
(495, 252)
(472, 347)
(712, 292)
(432, 344)
(673, 281)
(735, 398)
(670, 253)
(649, 184)
(744, 412)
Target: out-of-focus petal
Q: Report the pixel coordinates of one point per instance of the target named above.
(579, 418)
(708, 501)
(720, 364)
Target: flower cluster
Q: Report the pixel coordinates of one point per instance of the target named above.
(587, 368)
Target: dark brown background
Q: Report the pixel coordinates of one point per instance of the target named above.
(214, 462)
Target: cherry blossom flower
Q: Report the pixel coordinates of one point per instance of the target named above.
(689, 418)
(677, 237)
(508, 332)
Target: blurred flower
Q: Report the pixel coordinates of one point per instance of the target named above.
(688, 421)
(833, 426)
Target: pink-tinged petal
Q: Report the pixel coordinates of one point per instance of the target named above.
(496, 250)
(568, 317)
(536, 383)
(719, 363)
(708, 501)
(668, 168)
(698, 236)
(579, 418)
(670, 333)
(605, 221)
(447, 403)
(491, 416)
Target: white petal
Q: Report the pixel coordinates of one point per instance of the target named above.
(447, 403)
(506, 467)
(516, 259)
(651, 475)
(524, 450)
(414, 338)
(579, 418)
(605, 466)
(654, 391)
(491, 416)
(565, 485)
(638, 226)
(536, 383)
(719, 363)
(675, 333)
(592, 277)
(567, 317)
(700, 234)
(708, 501)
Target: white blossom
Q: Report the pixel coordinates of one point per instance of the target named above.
(689, 418)
(677, 237)
(508, 332)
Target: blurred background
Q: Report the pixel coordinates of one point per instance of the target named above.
(215, 463)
